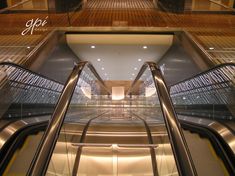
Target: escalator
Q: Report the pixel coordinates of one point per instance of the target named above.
(205, 107)
(91, 134)
(210, 151)
(27, 102)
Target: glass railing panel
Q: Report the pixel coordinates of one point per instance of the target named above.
(27, 101)
(209, 95)
(144, 92)
(26, 94)
(81, 110)
(145, 104)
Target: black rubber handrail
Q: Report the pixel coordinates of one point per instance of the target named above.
(47, 144)
(180, 149)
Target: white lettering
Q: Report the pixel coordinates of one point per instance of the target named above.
(32, 25)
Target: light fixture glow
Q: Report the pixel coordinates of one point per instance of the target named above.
(135, 68)
(145, 47)
(28, 47)
(211, 48)
(133, 74)
(139, 60)
(98, 60)
(118, 93)
(92, 46)
(102, 68)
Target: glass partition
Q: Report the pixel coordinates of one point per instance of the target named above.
(26, 94)
(210, 94)
(27, 101)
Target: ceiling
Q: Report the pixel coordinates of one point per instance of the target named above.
(119, 57)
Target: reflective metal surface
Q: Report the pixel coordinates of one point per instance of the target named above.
(46, 147)
(14, 127)
(215, 126)
(53, 129)
(113, 145)
(179, 145)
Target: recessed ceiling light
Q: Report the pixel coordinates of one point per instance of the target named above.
(102, 68)
(92, 46)
(139, 60)
(28, 47)
(133, 74)
(145, 47)
(135, 68)
(98, 60)
(211, 48)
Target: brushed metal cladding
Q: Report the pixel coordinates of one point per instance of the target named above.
(15, 126)
(217, 127)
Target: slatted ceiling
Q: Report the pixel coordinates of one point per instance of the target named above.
(120, 4)
(121, 17)
(222, 41)
(136, 13)
(13, 48)
(19, 20)
(18, 40)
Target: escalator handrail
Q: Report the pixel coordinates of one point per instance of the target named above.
(204, 72)
(180, 149)
(214, 126)
(28, 70)
(46, 146)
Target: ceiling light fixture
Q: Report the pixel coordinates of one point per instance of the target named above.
(92, 46)
(211, 48)
(98, 60)
(139, 60)
(133, 74)
(145, 47)
(135, 68)
(102, 68)
(28, 47)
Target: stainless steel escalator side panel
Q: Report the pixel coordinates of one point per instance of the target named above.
(180, 149)
(48, 139)
(45, 149)
(215, 126)
(11, 129)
